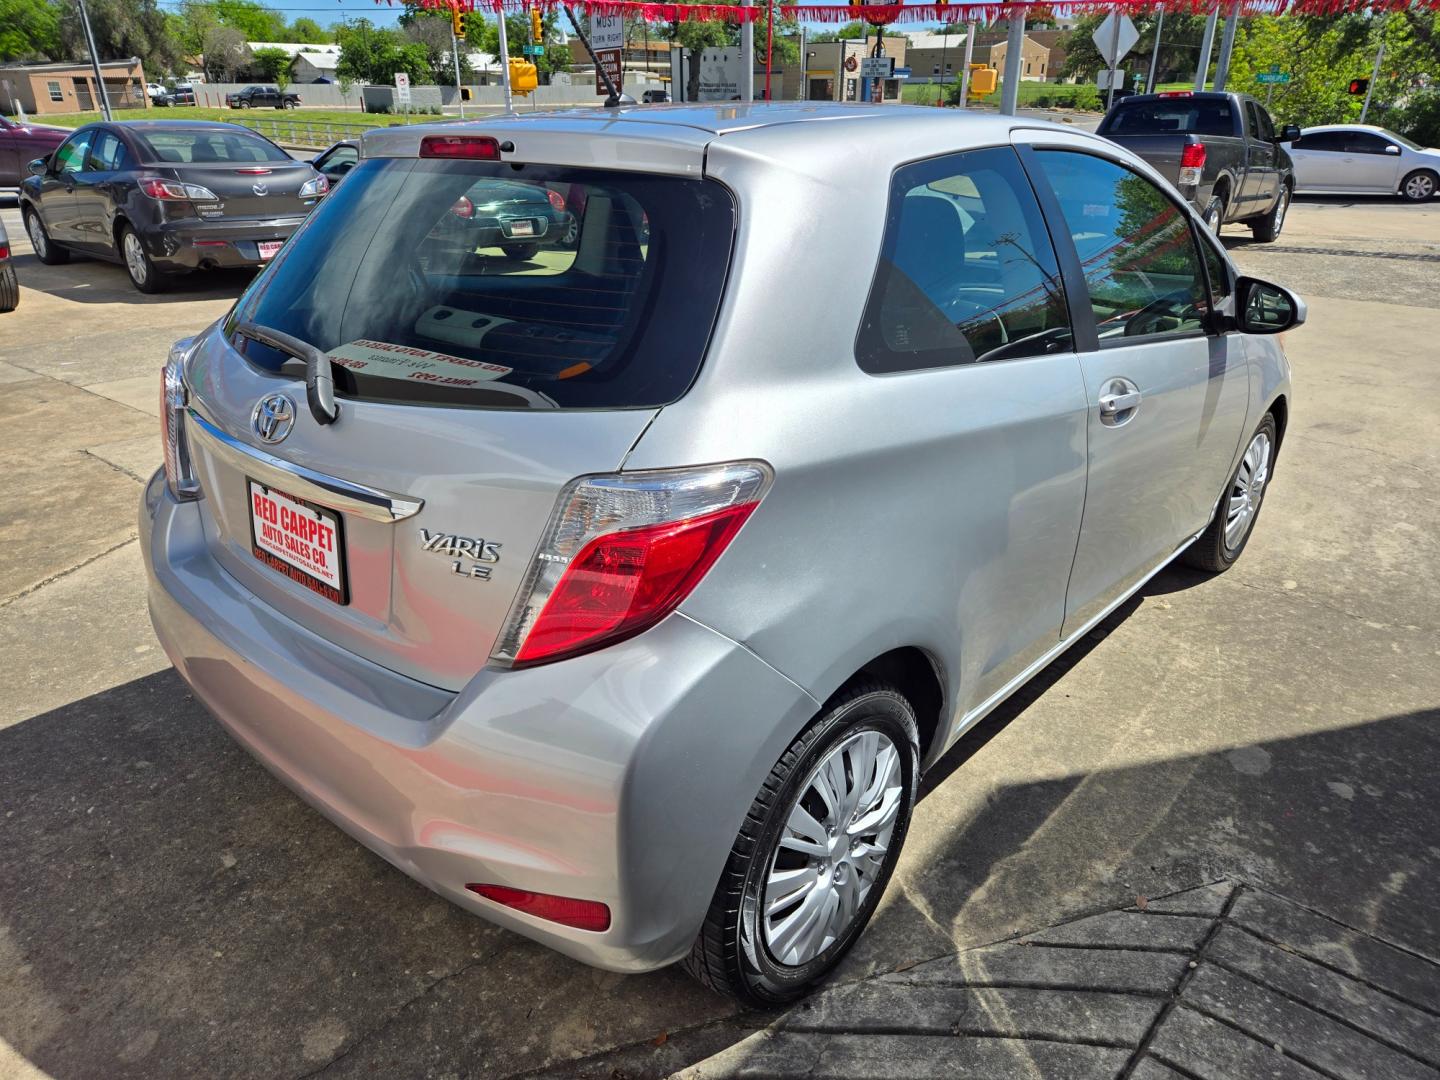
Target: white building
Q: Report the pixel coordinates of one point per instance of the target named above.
(312, 62)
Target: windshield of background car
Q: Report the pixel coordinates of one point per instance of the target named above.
(1401, 139)
(499, 285)
(1180, 116)
(187, 147)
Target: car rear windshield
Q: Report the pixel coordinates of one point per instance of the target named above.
(499, 285)
(208, 146)
(1180, 116)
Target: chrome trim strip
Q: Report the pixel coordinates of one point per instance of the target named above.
(331, 491)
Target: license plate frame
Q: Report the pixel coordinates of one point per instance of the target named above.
(269, 248)
(290, 565)
(522, 227)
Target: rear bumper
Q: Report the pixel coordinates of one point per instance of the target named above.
(192, 244)
(622, 776)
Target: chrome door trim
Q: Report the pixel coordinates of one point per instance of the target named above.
(331, 491)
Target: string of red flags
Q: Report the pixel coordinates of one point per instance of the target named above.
(929, 13)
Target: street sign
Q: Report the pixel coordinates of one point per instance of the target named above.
(1272, 77)
(402, 88)
(534, 50)
(877, 67)
(1104, 34)
(607, 32)
(903, 73)
(609, 61)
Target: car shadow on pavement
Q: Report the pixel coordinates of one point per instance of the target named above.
(94, 281)
(167, 908)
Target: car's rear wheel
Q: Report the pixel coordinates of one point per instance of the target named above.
(1229, 530)
(289, 104)
(815, 851)
(1419, 186)
(1214, 214)
(520, 252)
(143, 274)
(46, 250)
(9, 288)
(1267, 229)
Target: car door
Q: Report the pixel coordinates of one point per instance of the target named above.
(1321, 162)
(93, 213)
(1264, 156)
(1259, 166)
(12, 169)
(57, 186)
(337, 161)
(1168, 398)
(1372, 162)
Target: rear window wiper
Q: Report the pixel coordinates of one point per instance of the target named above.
(319, 378)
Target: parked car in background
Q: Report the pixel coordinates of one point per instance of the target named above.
(155, 90)
(1220, 150)
(1358, 159)
(166, 197)
(262, 97)
(655, 97)
(557, 585)
(22, 143)
(182, 93)
(9, 286)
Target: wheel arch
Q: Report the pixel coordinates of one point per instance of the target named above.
(917, 675)
(1280, 409)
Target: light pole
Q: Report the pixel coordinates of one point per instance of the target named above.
(95, 61)
(1014, 65)
(965, 68)
(1155, 50)
(1202, 68)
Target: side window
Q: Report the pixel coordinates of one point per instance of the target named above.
(1220, 284)
(1252, 124)
(341, 161)
(1264, 127)
(107, 153)
(70, 158)
(1364, 142)
(1137, 249)
(1331, 141)
(966, 271)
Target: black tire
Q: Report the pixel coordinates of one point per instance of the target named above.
(1267, 229)
(1419, 186)
(9, 289)
(144, 274)
(520, 252)
(46, 250)
(1212, 552)
(243, 105)
(730, 954)
(1214, 215)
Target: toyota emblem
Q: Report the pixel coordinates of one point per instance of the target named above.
(259, 188)
(273, 418)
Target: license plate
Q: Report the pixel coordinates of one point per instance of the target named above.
(522, 228)
(298, 539)
(268, 248)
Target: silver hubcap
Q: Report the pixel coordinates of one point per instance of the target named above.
(1420, 187)
(1247, 490)
(1212, 219)
(1280, 209)
(37, 236)
(135, 258)
(833, 847)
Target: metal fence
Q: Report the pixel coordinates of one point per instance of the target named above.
(308, 134)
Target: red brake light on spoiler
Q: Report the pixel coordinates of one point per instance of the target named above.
(460, 147)
(1177, 93)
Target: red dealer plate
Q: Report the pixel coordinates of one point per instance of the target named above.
(268, 248)
(298, 539)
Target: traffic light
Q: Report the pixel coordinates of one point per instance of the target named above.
(1359, 86)
(457, 22)
(523, 76)
(983, 81)
(537, 28)
(466, 94)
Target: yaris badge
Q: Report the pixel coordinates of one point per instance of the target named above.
(273, 418)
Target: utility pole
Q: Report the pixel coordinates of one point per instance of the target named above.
(504, 59)
(969, 55)
(747, 56)
(1227, 46)
(1202, 69)
(455, 55)
(1374, 75)
(1014, 65)
(1155, 50)
(804, 68)
(944, 45)
(95, 62)
(1115, 18)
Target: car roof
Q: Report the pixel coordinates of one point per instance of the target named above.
(1345, 127)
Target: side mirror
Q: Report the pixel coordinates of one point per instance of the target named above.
(1264, 308)
(1289, 133)
(39, 166)
(1391, 148)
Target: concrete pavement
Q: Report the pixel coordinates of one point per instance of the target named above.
(166, 908)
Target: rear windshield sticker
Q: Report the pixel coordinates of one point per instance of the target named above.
(387, 361)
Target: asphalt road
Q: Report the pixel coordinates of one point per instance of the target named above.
(168, 909)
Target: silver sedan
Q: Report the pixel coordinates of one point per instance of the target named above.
(1359, 159)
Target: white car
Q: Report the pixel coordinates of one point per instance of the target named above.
(1356, 159)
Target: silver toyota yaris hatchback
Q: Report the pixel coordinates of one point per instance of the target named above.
(622, 592)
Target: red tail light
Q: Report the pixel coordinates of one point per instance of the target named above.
(581, 914)
(1193, 156)
(471, 147)
(556, 200)
(157, 187)
(621, 552)
(1177, 93)
(463, 207)
(626, 582)
(4, 251)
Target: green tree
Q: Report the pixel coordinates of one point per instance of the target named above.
(255, 21)
(372, 55)
(483, 33)
(1179, 47)
(225, 52)
(272, 65)
(29, 30)
(309, 32)
(122, 28)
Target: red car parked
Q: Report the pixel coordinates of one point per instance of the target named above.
(21, 144)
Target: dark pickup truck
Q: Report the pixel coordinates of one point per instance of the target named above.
(1220, 150)
(256, 97)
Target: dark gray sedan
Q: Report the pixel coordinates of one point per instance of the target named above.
(166, 197)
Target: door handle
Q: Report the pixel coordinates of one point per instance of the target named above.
(1115, 404)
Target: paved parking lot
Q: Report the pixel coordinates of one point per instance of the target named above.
(1221, 752)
